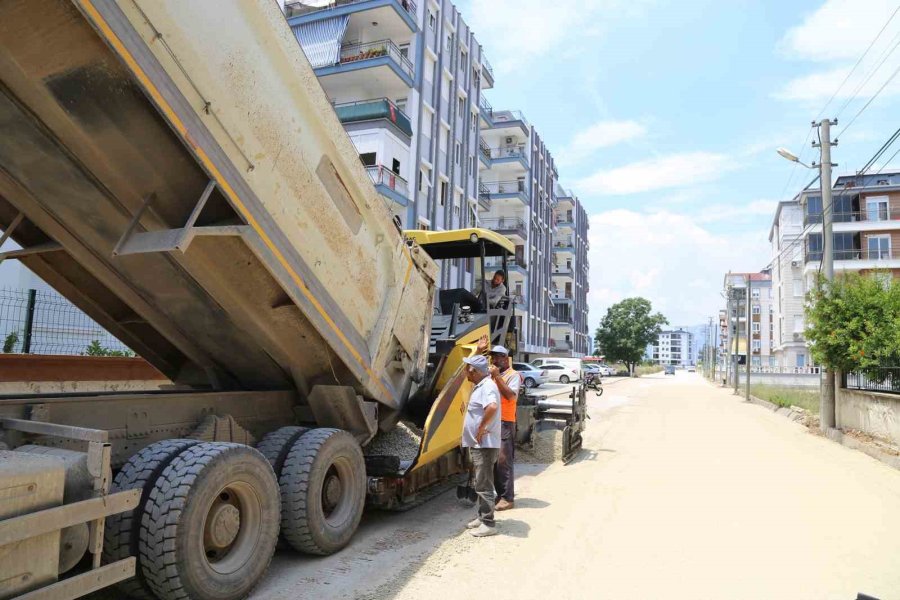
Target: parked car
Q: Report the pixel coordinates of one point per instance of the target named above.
(573, 364)
(691, 369)
(532, 377)
(607, 371)
(670, 370)
(592, 369)
(561, 373)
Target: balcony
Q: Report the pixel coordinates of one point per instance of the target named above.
(562, 272)
(504, 190)
(512, 264)
(564, 220)
(485, 152)
(516, 154)
(564, 245)
(856, 254)
(488, 71)
(393, 76)
(374, 110)
(564, 196)
(487, 111)
(389, 184)
(509, 120)
(881, 214)
(508, 226)
(559, 297)
(304, 11)
(560, 346)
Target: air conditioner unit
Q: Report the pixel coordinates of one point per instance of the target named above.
(795, 263)
(796, 337)
(509, 140)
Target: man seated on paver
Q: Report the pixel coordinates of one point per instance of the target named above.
(481, 435)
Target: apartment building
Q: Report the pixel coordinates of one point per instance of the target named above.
(516, 198)
(569, 277)
(673, 347)
(762, 318)
(866, 225)
(406, 80)
(788, 285)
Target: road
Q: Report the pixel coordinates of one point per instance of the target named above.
(682, 491)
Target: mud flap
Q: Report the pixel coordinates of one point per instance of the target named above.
(339, 406)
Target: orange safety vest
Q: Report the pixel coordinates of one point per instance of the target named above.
(508, 405)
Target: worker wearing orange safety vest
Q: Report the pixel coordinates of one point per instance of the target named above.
(508, 381)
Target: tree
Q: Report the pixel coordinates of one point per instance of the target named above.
(627, 329)
(96, 349)
(854, 323)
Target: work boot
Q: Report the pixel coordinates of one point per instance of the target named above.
(483, 531)
(473, 523)
(504, 504)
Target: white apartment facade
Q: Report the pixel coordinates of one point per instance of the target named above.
(674, 347)
(760, 348)
(789, 348)
(406, 80)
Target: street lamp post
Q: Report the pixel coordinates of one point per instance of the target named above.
(827, 399)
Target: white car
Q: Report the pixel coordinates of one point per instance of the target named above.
(607, 371)
(560, 373)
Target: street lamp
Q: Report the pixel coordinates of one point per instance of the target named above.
(787, 154)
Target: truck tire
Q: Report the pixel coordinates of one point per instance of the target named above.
(120, 537)
(275, 445)
(210, 524)
(323, 491)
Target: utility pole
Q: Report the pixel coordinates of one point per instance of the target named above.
(711, 373)
(726, 360)
(737, 342)
(749, 337)
(827, 401)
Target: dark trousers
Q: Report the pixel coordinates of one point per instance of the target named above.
(504, 477)
(484, 460)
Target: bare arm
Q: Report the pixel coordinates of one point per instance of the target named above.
(505, 390)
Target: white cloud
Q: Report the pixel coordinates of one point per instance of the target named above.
(673, 171)
(737, 212)
(668, 258)
(838, 33)
(603, 134)
(516, 31)
(840, 30)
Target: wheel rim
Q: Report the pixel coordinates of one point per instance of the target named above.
(564, 379)
(529, 383)
(232, 529)
(337, 492)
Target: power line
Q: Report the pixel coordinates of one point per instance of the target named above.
(867, 104)
(882, 58)
(859, 61)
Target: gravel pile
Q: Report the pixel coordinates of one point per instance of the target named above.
(547, 448)
(403, 441)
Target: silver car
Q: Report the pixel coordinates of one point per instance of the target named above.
(531, 375)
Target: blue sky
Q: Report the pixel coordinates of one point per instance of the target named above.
(664, 118)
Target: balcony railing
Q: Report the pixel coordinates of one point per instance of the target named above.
(503, 116)
(507, 226)
(562, 271)
(381, 175)
(486, 66)
(854, 254)
(299, 8)
(557, 295)
(486, 106)
(371, 50)
(496, 263)
(560, 345)
(515, 151)
(368, 110)
(856, 216)
(564, 243)
(485, 149)
(491, 188)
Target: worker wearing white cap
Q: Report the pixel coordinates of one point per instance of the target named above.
(508, 381)
(481, 435)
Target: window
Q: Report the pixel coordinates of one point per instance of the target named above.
(443, 192)
(474, 121)
(798, 287)
(757, 309)
(430, 67)
(814, 209)
(430, 20)
(755, 361)
(877, 209)
(395, 166)
(757, 345)
(754, 293)
(801, 360)
(448, 42)
(798, 324)
(368, 159)
(404, 50)
(424, 179)
(846, 246)
(401, 103)
(461, 107)
(879, 247)
(458, 153)
(814, 246)
(756, 328)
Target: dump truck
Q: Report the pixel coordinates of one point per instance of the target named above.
(175, 170)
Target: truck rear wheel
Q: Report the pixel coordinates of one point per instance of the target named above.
(210, 524)
(275, 445)
(323, 491)
(120, 538)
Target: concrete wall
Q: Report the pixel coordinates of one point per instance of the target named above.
(805, 380)
(870, 412)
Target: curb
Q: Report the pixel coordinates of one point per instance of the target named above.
(835, 435)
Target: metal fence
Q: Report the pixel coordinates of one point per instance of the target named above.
(884, 379)
(44, 322)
